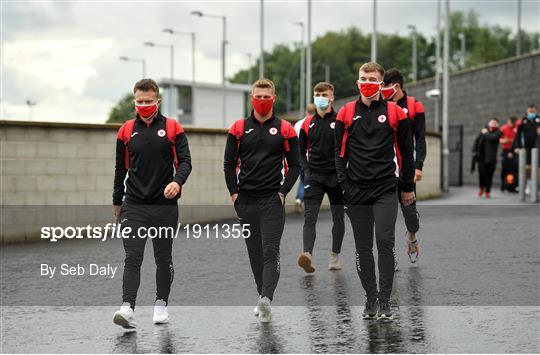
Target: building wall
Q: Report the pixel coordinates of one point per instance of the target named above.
(497, 90)
(207, 106)
(57, 174)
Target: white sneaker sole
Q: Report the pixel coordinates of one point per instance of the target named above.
(333, 267)
(367, 316)
(120, 320)
(162, 321)
(385, 317)
(265, 316)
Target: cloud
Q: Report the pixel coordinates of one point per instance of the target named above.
(64, 55)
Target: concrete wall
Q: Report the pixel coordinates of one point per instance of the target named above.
(499, 89)
(62, 174)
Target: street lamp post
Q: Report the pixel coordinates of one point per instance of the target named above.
(414, 60)
(128, 59)
(171, 85)
(30, 104)
(374, 33)
(223, 56)
(518, 36)
(462, 54)
(261, 62)
(327, 72)
(308, 55)
(249, 80)
(438, 66)
(192, 35)
(446, 96)
(302, 70)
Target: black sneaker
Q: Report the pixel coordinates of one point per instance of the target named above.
(384, 310)
(370, 310)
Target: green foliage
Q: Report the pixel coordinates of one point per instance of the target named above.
(123, 110)
(346, 50)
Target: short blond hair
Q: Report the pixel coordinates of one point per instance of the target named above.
(264, 84)
(370, 67)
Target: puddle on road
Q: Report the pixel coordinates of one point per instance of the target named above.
(334, 329)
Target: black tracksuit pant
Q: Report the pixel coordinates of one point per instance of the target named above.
(141, 219)
(410, 213)
(485, 175)
(265, 215)
(508, 168)
(368, 208)
(315, 186)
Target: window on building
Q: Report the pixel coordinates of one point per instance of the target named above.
(185, 104)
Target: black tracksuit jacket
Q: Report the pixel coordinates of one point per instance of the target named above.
(370, 159)
(261, 154)
(151, 166)
(418, 130)
(319, 146)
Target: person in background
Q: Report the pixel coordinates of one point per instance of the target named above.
(261, 164)
(310, 110)
(317, 144)
(485, 148)
(393, 91)
(527, 137)
(508, 170)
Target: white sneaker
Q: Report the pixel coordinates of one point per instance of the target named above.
(334, 263)
(160, 312)
(125, 317)
(265, 314)
(256, 309)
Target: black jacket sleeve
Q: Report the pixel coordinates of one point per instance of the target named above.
(519, 138)
(493, 136)
(230, 162)
(405, 145)
(293, 163)
(120, 172)
(341, 163)
(420, 140)
(303, 144)
(184, 159)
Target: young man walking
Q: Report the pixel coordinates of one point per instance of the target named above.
(317, 145)
(152, 163)
(373, 145)
(393, 91)
(264, 150)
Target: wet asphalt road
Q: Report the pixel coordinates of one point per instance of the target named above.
(476, 288)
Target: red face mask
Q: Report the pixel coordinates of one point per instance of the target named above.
(146, 111)
(388, 93)
(262, 106)
(368, 89)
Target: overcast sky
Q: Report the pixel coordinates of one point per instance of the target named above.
(64, 55)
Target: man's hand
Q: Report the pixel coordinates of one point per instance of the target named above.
(171, 190)
(234, 197)
(407, 198)
(516, 150)
(484, 130)
(417, 175)
(282, 197)
(116, 211)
